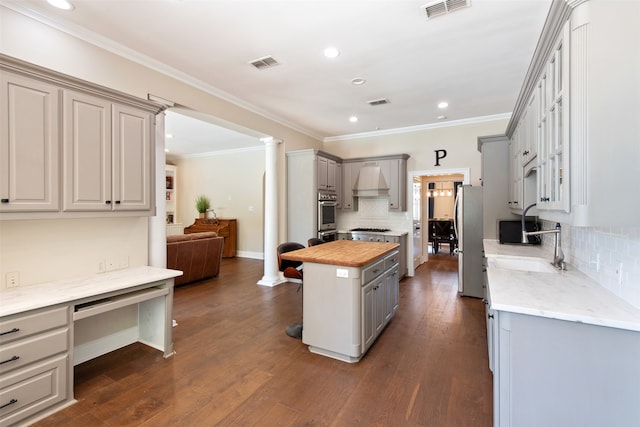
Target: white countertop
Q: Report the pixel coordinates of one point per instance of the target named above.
(567, 295)
(25, 298)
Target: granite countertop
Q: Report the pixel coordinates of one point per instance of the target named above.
(347, 253)
(25, 298)
(566, 295)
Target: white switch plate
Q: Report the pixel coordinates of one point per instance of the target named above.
(342, 272)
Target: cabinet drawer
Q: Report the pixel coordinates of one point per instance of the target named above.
(391, 259)
(21, 326)
(32, 349)
(372, 271)
(31, 390)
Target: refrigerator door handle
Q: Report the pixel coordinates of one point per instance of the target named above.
(455, 214)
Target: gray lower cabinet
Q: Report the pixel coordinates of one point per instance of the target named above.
(550, 372)
(379, 297)
(34, 364)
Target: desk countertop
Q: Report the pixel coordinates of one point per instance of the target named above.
(347, 253)
(25, 298)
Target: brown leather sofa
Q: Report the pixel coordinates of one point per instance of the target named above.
(197, 255)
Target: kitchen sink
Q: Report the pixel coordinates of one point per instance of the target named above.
(537, 265)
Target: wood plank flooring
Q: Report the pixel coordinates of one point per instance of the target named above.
(235, 366)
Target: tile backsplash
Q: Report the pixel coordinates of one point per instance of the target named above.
(609, 255)
(375, 213)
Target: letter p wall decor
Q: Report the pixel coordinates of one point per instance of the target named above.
(440, 154)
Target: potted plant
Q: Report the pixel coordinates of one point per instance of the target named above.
(202, 204)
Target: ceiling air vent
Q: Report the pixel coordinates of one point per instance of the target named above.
(381, 101)
(441, 7)
(265, 62)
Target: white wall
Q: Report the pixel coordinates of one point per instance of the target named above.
(42, 251)
(233, 182)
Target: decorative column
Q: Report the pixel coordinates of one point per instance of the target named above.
(272, 276)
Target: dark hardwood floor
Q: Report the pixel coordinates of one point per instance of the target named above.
(235, 366)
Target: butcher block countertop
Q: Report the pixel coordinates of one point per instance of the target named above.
(347, 253)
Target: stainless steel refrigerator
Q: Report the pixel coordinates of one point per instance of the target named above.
(468, 228)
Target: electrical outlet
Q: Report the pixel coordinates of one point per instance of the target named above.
(111, 264)
(342, 272)
(101, 266)
(13, 279)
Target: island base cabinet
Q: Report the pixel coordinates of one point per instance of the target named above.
(551, 372)
(331, 310)
(346, 308)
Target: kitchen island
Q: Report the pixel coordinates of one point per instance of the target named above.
(350, 294)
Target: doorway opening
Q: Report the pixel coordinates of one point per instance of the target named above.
(433, 200)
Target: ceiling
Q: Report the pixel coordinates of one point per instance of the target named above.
(475, 58)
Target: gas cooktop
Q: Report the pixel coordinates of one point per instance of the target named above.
(371, 230)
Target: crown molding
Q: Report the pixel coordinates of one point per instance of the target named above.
(109, 45)
(418, 128)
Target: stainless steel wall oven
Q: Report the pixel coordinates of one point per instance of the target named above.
(327, 211)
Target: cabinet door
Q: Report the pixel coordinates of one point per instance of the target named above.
(322, 171)
(132, 166)
(391, 293)
(349, 176)
(368, 315)
(338, 178)
(29, 145)
(331, 175)
(87, 153)
(554, 137)
(515, 173)
(379, 288)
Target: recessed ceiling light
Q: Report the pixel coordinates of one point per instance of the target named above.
(331, 52)
(443, 104)
(61, 4)
(442, 117)
(358, 81)
(166, 150)
(168, 135)
(353, 119)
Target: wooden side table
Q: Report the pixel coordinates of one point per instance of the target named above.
(227, 228)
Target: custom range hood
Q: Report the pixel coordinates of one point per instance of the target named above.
(370, 183)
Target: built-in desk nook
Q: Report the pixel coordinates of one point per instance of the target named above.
(48, 328)
(350, 293)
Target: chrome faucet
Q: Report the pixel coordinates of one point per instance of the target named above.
(558, 255)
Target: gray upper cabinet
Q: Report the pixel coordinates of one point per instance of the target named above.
(107, 155)
(579, 105)
(29, 145)
(102, 165)
(327, 173)
(394, 170)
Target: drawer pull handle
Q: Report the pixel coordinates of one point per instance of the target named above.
(14, 330)
(376, 271)
(11, 402)
(5, 200)
(14, 358)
